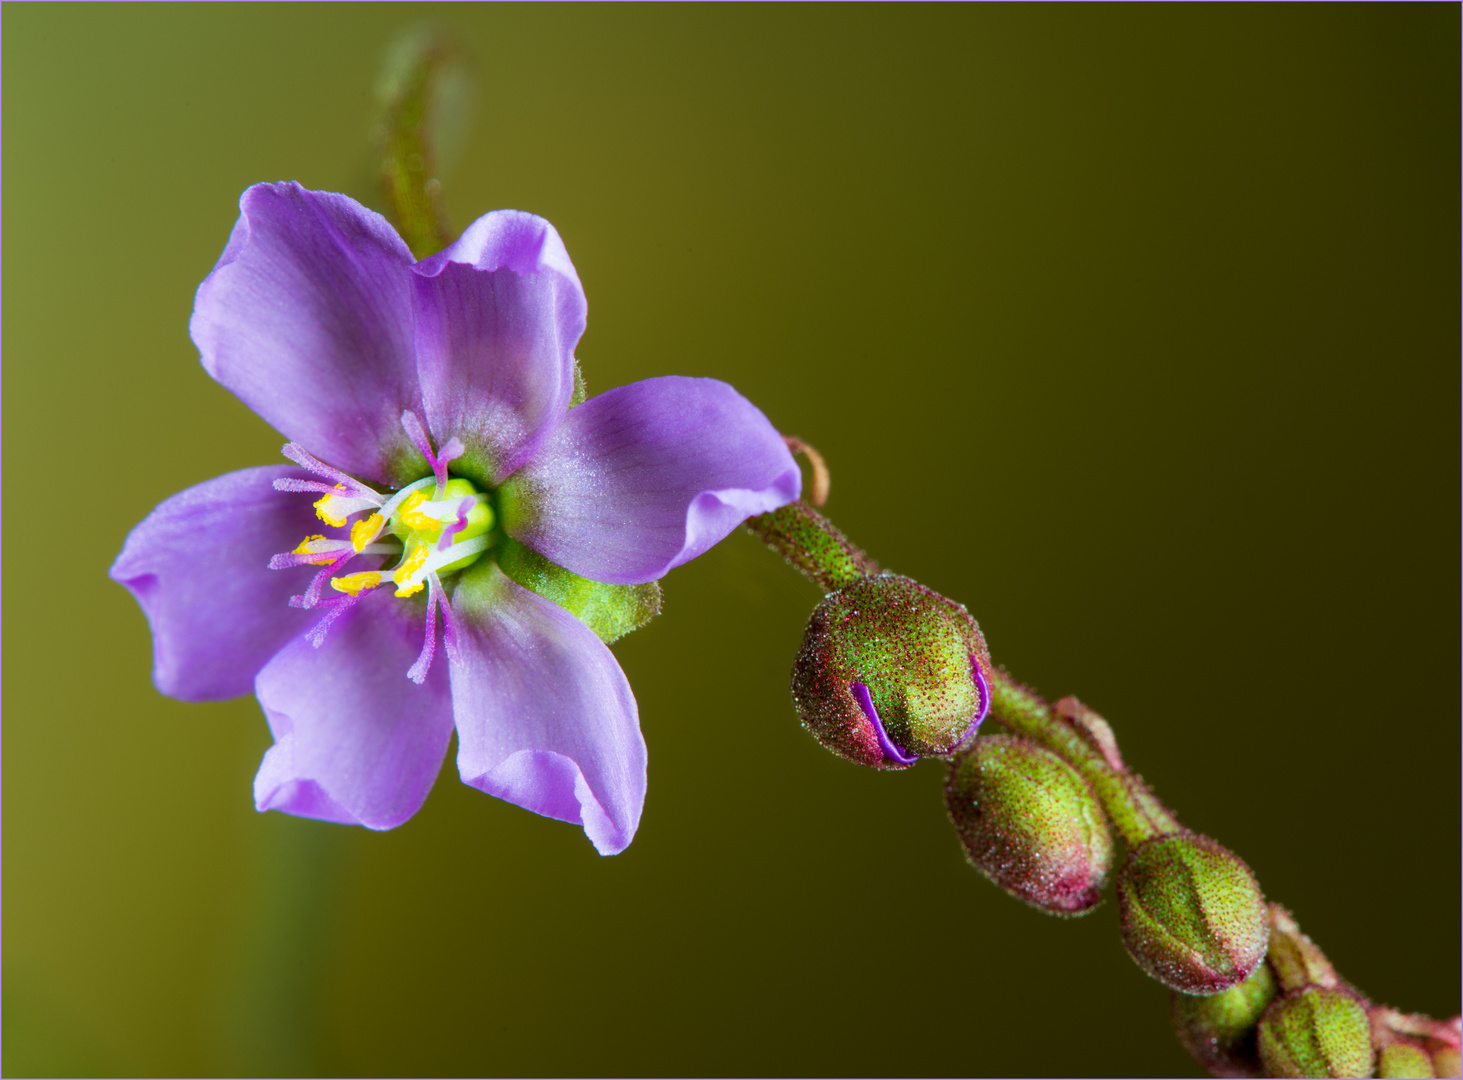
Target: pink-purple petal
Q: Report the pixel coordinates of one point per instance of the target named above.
(199, 567)
(307, 318)
(356, 741)
(646, 477)
(498, 314)
(545, 717)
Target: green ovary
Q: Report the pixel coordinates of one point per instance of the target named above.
(415, 530)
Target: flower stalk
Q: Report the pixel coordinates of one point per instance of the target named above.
(813, 546)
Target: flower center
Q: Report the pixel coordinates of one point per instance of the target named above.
(442, 532)
(433, 527)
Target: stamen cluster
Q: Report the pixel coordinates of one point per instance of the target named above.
(435, 526)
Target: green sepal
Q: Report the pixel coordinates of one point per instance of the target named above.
(611, 611)
(581, 390)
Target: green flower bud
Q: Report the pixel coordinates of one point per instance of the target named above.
(1402, 1060)
(1030, 823)
(1222, 1030)
(1316, 1031)
(890, 672)
(1192, 913)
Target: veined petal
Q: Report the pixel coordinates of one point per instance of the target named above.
(356, 741)
(645, 477)
(498, 314)
(307, 318)
(199, 566)
(545, 718)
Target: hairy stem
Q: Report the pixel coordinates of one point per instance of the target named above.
(812, 545)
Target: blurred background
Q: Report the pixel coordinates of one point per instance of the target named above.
(1133, 328)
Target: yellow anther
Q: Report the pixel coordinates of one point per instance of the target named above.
(308, 547)
(355, 584)
(363, 532)
(409, 566)
(411, 590)
(413, 517)
(322, 507)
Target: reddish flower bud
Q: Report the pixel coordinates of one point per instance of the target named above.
(1192, 913)
(890, 672)
(1030, 823)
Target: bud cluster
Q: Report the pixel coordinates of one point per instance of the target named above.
(890, 672)
(1294, 1016)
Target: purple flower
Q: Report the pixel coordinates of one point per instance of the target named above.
(429, 410)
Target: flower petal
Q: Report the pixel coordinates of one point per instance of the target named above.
(498, 314)
(307, 318)
(199, 566)
(545, 718)
(356, 741)
(646, 477)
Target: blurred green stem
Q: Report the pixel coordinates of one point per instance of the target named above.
(275, 973)
(419, 95)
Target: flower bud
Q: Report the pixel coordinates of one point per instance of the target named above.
(1297, 960)
(1030, 823)
(1316, 1031)
(1221, 1030)
(1403, 1060)
(890, 672)
(1192, 913)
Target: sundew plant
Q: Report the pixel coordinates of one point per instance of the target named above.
(808, 546)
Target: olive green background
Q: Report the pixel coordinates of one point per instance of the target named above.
(1135, 329)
